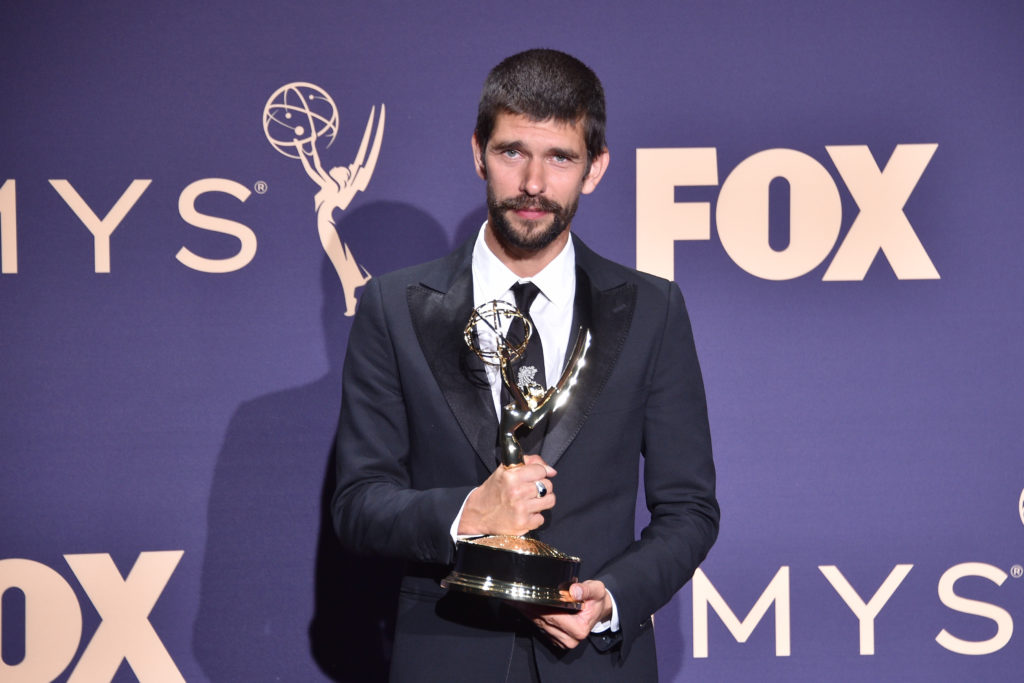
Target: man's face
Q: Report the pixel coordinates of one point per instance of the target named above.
(535, 173)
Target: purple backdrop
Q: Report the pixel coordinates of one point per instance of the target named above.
(153, 411)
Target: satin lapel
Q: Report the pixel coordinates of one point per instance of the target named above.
(439, 319)
(610, 313)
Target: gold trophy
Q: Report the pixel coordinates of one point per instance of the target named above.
(517, 568)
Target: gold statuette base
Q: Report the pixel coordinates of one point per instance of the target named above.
(517, 592)
(515, 568)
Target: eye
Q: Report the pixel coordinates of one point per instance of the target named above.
(511, 153)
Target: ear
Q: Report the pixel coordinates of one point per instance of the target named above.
(478, 158)
(598, 165)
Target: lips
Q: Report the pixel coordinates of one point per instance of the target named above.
(531, 214)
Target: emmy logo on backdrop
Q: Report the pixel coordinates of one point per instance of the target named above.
(296, 118)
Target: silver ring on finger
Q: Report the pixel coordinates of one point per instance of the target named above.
(542, 490)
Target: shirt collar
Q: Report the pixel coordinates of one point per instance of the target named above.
(492, 278)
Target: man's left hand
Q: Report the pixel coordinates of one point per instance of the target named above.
(569, 629)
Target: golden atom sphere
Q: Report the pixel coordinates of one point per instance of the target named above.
(489, 319)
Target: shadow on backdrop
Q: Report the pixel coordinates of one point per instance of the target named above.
(279, 599)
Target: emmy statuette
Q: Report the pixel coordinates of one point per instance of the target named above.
(517, 568)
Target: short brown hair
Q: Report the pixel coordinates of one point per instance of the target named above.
(542, 85)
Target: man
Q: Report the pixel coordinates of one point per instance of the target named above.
(417, 441)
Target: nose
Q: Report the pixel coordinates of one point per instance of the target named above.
(534, 177)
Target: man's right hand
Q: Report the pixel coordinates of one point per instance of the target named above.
(508, 501)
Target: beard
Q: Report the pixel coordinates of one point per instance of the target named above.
(532, 237)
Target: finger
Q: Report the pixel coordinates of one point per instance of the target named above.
(587, 590)
(527, 497)
(559, 629)
(543, 487)
(539, 505)
(524, 524)
(529, 510)
(560, 640)
(564, 630)
(528, 489)
(553, 634)
(531, 502)
(536, 471)
(574, 626)
(526, 473)
(549, 471)
(536, 522)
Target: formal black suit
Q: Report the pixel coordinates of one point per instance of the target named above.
(418, 432)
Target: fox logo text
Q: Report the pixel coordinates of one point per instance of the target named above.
(816, 214)
(53, 618)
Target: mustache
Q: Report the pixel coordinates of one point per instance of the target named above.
(527, 203)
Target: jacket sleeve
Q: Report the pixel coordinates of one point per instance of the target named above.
(679, 482)
(374, 507)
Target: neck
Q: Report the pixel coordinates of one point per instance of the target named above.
(524, 262)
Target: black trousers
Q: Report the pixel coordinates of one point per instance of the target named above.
(523, 667)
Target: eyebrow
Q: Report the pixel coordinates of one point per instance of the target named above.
(567, 153)
(518, 144)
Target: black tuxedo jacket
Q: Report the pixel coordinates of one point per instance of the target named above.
(418, 431)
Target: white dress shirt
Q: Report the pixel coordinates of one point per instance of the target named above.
(551, 310)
